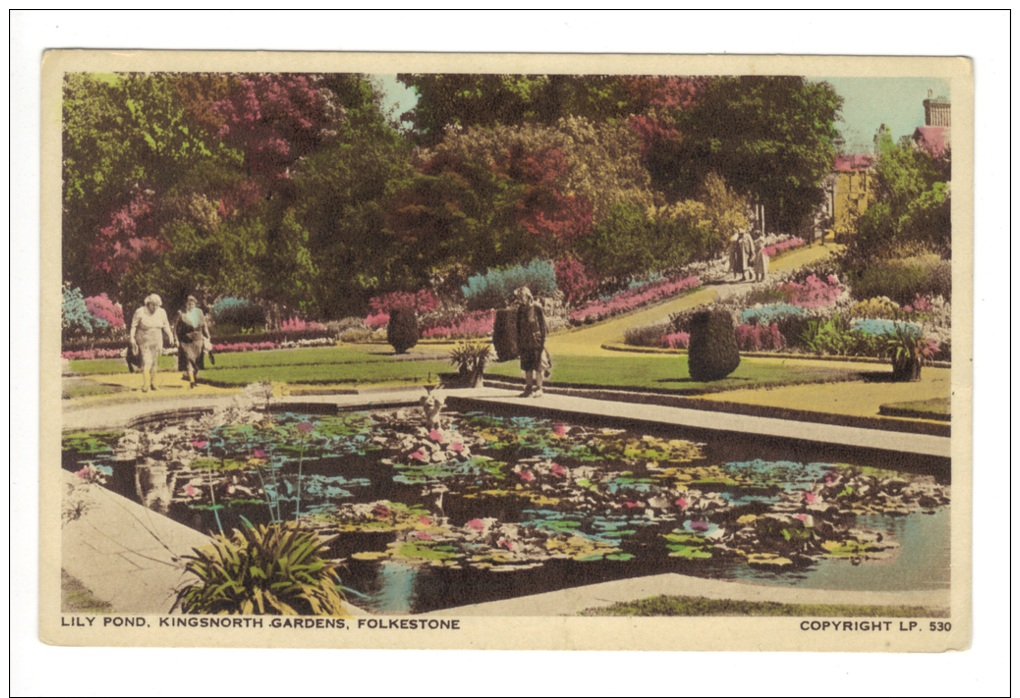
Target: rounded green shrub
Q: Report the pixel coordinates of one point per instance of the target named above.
(713, 352)
(402, 332)
(504, 334)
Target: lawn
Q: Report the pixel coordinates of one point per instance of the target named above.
(344, 354)
(700, 606)
(670, 373)
(932, 408)
(373, 364)
(375, 372)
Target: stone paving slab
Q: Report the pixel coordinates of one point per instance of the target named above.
(123, 553)
(570, 602)
(855, 437)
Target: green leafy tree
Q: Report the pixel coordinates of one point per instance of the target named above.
(913, 203)
(770, 138)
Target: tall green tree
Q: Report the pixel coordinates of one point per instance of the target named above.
(771, 138)
(913, 202)
(343, 199)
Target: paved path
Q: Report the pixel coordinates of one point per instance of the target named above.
(829, 434)
(124, 553)
(588, 340)
(570, 602)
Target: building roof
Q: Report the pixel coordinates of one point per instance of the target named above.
(931, 138)
(853, 163)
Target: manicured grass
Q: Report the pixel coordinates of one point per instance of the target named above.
(670, 373)
(92, 367)
(932, 408)
(346, 354)
(700, 606)
(861, 398)
(79, 387)
(353, 373)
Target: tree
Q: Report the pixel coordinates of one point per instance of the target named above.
(913, 203)
(771, 138)
(343, 195)
(459, 101)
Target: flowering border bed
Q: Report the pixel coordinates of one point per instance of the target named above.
(631, 299)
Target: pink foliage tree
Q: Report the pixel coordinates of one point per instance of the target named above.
(131, 236)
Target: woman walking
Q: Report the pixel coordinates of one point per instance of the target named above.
(193, 338)
(531, 332)
(148, 327)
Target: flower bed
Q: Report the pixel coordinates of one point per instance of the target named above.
(676, 340)
(784, 246)
(92, 354)
(631, 299)
(813, 292)
(760, 338)
(473, 323)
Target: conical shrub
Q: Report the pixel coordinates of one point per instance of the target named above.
(402, 332)
(504, 334)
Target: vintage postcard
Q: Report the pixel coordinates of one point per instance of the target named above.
(506, 351)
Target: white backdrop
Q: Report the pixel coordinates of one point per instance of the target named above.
(38, 669)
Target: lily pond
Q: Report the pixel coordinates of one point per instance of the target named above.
(460, 508)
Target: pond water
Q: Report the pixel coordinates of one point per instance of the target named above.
(479, 507)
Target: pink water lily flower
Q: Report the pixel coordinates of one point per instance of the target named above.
(558, 470)
(422, 535)
(682, 503)
(810, 497)
(436, 436)
(632, 505)
(198, 443)
(699, 525)
(504, 543)
(457, 447)
(475, 524)
(526, 475)
(305, 427)
(190, 491)
(258, 453)
(419, 455)
(560, 429)
(424, 520)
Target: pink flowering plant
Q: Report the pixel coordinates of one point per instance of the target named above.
(102, 308)
(754, 337)
(783, 246)
(470, 324)
(676, 340)
(814, 292)
(631, 299)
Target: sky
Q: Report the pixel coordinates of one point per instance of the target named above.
(870, 102)
(867, 104)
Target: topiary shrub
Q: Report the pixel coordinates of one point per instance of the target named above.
(504, 334)
(277, 569)
(402, 332)
(713, 352)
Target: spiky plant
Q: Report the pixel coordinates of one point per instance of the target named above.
(275, 569)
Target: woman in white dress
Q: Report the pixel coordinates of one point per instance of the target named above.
(148, 327)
